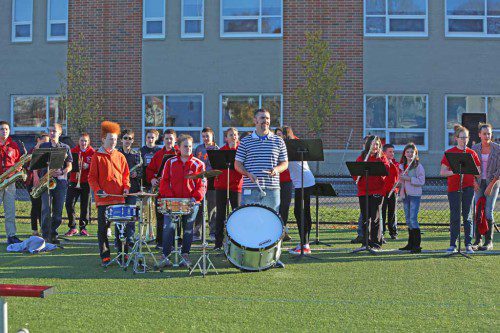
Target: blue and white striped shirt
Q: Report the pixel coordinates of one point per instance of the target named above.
(259, 155)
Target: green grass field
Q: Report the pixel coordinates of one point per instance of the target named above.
(340, 292)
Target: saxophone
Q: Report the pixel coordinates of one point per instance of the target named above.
(11, 175)
(37, 191)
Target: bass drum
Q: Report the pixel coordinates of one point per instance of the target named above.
(254, 235)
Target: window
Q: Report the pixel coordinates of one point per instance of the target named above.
(236, 110)
(397, 119)
(22, 20)
(192, 19)
(32, 114)
(472, 18)
(251, 18)
(456, 105)
(57, 20)
(182, 112)
(396, 18)
(153, 26)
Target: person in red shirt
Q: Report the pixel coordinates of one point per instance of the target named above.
(286, 190)
(389, 204)
(376, 191)
(110, 181)
(220, 185)
(9, 155)
(468, 186)
(80, 178)
(174, 184)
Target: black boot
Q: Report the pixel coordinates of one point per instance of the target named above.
(488, 244)
(408, 246)
(478, 241)
(416, 241)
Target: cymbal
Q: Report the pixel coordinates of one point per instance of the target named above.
(142, 194)
(205, 174)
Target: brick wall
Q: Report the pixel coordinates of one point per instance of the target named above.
(112, 32)
(342, 24)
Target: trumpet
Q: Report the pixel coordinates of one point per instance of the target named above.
(405, 172)
(37, 191)
(11, 175)
(80, 167)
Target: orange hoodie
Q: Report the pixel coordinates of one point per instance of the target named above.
(109, 172)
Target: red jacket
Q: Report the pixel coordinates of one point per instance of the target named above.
(454, 181)
(155, 164)
(376, 183)
(174, 184)
(9, 154)
(87, 158)
(235, 178)
(285, 176)
(392, 178)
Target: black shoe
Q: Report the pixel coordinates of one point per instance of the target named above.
(55, 241)
(279, 264)
(408, 246)
(358, 240)
(416, 241)
(217, 248)
(13, 240)
(394, 236)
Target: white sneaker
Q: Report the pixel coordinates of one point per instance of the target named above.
(109, 232)
(469, 250)
(295, 249)
(451, 249)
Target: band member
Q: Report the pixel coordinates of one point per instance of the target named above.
(207, 135)
(109, 179)
(50, 222)
(489, 152)
(361, 237)
(286, 189)
(461, 137)
(152, 176)
(376, 191)
(79, 187)
(389, 202)
(412, 178)
(9, 155)
(220, 184)
(36, 203)
(147, 153)
(173, 184)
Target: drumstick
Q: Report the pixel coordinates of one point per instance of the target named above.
(260, 188)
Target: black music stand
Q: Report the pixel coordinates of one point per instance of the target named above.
(461, 164)
(366, 169)
(322, 190)
(304, 150)
(223, 159)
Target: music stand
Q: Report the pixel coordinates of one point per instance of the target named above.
(223, 159)
(461, 164)
(304, 150)
(366, 169)
(322, 190)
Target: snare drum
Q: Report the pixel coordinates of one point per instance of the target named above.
(122, 213)
(180, 206)
(254, 235)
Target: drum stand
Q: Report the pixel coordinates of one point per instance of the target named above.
(176, 219)
(120, 258)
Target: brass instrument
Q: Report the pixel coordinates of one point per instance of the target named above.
(12, 174)
(80, 167)
(37, 191)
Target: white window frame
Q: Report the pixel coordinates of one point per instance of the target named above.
(14, 24)
(145, 20)
(244, 129)
(448, 131)
(177, 129)
(259, 17)
(387, 16)
(388, 130)
(50, 22)
(484, 17)
(35, 129)
(201, 18)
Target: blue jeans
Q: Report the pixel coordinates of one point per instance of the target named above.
(57, 198)
(411, 206)
(272, 198)
(453, 199)
(490, 199)
(169, 229)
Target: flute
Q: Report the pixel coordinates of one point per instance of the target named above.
(366, 159)
(403, 174)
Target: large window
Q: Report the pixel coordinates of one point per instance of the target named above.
(397, 119)
(31, 114)
(153, 23)
(57, 20)
(251, 18)
(396, 18)
(22, 20)
(236, 110)
(192, 19)
(182, 112)
(456, 105)
(472, 18)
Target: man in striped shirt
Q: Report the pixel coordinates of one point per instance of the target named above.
(260, 158)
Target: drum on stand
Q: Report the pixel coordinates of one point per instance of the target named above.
(254, 235)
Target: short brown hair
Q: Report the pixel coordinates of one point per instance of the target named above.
(169, 131)
(184, 137)
(153, 131)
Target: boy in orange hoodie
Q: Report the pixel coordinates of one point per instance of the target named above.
(109, 179)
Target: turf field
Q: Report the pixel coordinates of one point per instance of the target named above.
(340, 291)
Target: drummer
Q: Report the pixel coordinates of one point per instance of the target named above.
(174, 184)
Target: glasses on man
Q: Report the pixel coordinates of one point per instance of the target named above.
(128, 138)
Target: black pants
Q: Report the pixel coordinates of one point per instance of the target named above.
(71, 198)
(220, 199)
(36, 211)
(102, 232)
(307, 212)
(373, 222)
(389, 214)
(286, 189)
